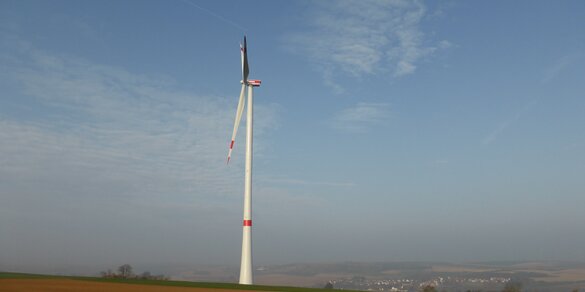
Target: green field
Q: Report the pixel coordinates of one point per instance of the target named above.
(9, 275)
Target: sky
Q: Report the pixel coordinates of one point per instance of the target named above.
(383, 130)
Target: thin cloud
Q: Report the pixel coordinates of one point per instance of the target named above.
(104, 126)
(365, 37)
(362, 116)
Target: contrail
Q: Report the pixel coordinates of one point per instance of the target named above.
(504, 125)
(216, 16)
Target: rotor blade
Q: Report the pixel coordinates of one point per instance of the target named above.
(239, 112)
(245, 68)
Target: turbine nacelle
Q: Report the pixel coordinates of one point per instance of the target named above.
(254, 82)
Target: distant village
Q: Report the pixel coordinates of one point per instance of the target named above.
(409, 285)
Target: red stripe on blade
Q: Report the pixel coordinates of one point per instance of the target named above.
(232, 145)
(247, 222)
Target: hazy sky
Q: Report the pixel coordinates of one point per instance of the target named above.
(384, 130)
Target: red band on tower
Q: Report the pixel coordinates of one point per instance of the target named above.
(247, 222)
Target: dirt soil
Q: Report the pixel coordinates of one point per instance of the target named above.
(65, 285)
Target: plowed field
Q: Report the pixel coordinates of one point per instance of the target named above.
(67, 285)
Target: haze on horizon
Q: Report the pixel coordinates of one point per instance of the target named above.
(384, 131)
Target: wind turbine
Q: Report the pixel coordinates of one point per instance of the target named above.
(246, 263)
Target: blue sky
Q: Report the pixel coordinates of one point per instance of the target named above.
(384, 130)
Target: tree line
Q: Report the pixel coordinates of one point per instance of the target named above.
(126, 272)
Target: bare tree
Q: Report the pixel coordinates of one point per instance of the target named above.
(107, 274)
(146, 276)
(125, 271)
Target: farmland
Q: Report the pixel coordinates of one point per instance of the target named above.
(17, 282)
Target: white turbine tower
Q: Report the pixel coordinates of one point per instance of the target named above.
(246, 264)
